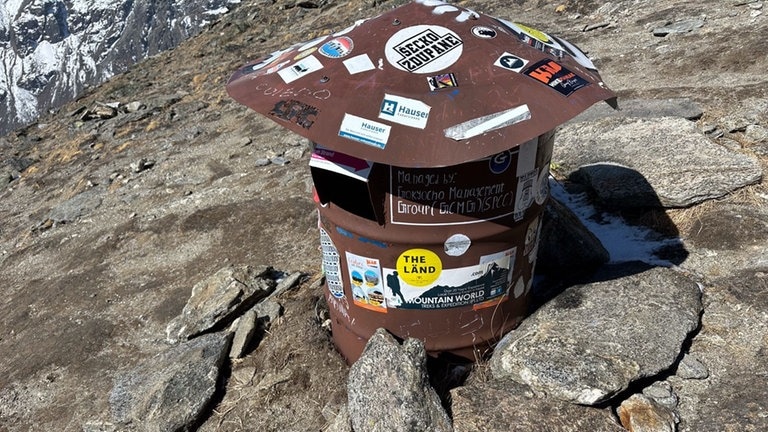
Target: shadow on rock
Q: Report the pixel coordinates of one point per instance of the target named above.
(605, 214)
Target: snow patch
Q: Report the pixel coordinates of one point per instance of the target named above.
(623, 242)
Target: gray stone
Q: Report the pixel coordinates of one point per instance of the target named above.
(691, 367)
(245, 331)
(502, 406)
(661, 392)
(287, 283)
(644, 108)
(170, 391)
(142, 165)
(683, 26)
(752, 111)
(388, 388)
(218, 300)
(631, 162)
(252, 325)
(268, 311)
(20, 163)
(77, 206)
(756, 133)
(641, 414)
(134, 106)
(6, 176)
(566, 246)
(593, 340)
(99, 426)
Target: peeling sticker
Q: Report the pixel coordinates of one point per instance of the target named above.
(331, 266)
(519, 288)
(576, 53)
(457, 245)
(270, 59)
(337, 48)
(542, 187)
(304, 53)
(438, 82)
(531, 236)
(511, 62)
(481, 125)
(297, 112)
(365, 131)
(423, 49)
(404, 111)
(526, 178)
(299, 69)
(313, 43)
(357, 64)
(535, 38)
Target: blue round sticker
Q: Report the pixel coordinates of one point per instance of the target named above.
(337, 47)
(500, 162)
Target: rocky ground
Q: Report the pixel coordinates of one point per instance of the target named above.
(111, 215)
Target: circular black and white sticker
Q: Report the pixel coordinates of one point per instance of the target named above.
(423, 49)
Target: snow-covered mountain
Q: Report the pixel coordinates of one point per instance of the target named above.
(51, 50)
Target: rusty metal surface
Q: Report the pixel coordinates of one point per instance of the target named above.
(425, 85)
(451, 259)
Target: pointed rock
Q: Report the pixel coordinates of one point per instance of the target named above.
(388, 389)
(591, 341)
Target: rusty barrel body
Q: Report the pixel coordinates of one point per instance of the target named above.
(445, 255)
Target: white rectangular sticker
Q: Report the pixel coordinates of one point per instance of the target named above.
(365, 131)
(404, 111)
(359, 64)
(299, 69)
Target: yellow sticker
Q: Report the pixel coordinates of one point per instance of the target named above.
(419, 267)
(536, 34)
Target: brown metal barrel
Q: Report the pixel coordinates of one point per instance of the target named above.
(445, 255)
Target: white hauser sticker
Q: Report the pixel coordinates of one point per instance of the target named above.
(423, 49)
(365, 131)
(405, 111)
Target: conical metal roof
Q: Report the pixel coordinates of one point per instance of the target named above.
(427, 84)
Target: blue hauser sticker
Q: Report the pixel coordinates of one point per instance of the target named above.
(555, 75)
